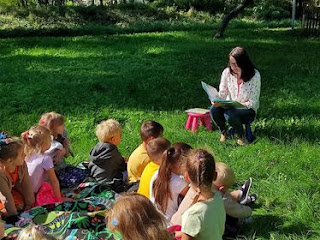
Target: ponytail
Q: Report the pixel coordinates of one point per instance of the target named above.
(161, 186)
(34, 138)
(201, 170)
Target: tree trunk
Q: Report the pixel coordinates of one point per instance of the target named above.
(231, 15)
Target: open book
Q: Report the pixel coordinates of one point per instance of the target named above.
(214, 97)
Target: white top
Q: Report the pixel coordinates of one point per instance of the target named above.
(37, 167)
(53, 152)
(205, 220)
(177, 184)
(55, 145)
(248, 93)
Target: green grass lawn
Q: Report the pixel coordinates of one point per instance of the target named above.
(157, 76)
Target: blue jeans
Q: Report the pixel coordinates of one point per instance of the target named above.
(235, 117)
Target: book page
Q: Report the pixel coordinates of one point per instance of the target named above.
(229, 103)
(211, 91)
(214, 97)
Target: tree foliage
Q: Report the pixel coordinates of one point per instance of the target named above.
(262, 9)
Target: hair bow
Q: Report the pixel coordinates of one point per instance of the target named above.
(4, 141)
(27, 135)
(114, 222)
(3, 135)
(199, 156)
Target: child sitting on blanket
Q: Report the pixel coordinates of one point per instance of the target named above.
(106, 163)
(155, 150)
(68, 176)
(231, 200)
(59, 148)
(15, 184)
(139, 158)
(37, 141)
(134, 216)
(34, 232)
(167, 184)
(205, 219)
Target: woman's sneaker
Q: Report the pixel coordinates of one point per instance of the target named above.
(245, 191)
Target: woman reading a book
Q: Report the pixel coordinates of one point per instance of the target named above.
(240, 82)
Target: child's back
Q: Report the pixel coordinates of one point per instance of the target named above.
(40, 165)
(148, 172)
(37, 166)
(106, 163)
(205, 219)
(155, 149)
(139, 158)
(137, 162)
(212, 215)
(168, 183)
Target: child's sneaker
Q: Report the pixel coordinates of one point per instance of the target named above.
(245, 191)
(253, 198)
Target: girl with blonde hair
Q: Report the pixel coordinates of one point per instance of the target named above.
(34, 232)
(37, 141)
(59, 145)
(68, 175)
(135, 217)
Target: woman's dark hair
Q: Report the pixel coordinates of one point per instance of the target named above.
(243, 62)
(161, 186)
(201, 169)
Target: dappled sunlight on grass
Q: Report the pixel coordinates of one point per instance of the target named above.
(134, 77)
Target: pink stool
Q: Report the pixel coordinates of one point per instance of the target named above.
(196, 114)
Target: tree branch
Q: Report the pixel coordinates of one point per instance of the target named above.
(231, 15)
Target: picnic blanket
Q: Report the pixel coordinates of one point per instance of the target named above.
(82, 219)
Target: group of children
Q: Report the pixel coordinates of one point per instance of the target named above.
(181, 192)
(177, 187)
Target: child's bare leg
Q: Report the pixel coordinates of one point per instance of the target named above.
(235, 195)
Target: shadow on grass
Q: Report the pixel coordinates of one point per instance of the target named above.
(160, 72)
(263, 226)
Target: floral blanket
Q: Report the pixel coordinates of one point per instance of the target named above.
(82, 219)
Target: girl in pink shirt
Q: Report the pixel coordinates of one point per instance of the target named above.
(37, 140)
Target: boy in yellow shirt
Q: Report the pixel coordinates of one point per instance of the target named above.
(139, 157)
(155, 150)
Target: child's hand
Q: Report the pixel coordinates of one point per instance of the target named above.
(67, 199)
(60, 154)
(178, 234)
(2, 199)
(1, 229)
(27, 207)
(66, 145)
